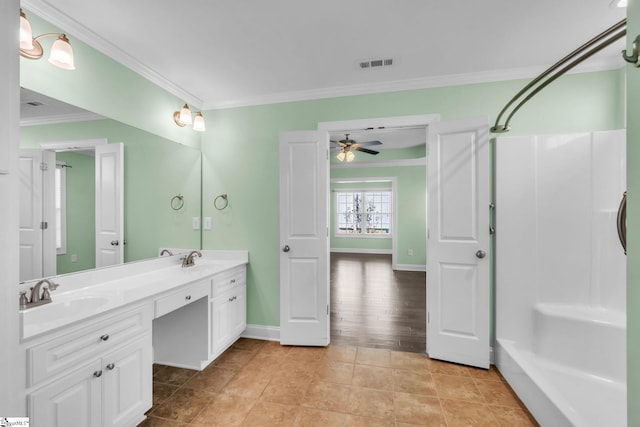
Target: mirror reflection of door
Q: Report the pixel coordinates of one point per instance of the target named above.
(58, 198)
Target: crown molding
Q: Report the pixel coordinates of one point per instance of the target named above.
(64, 118)
(594, 64)
(50, 13)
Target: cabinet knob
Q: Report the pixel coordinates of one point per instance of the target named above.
(97, 374)
(230, 299)
(233, 281)
(188, 297)
(110, 366)
(104, 337)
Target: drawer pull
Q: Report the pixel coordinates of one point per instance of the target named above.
(104, 337)
(188, 297)
(233, 281)
(110, 366)
(97, 374)
(230, 299)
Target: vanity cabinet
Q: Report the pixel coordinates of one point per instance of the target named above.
(99, 375)
(228, 309)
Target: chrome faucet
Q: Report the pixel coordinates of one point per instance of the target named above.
(166, 251)
(187, 261)
(37, 298)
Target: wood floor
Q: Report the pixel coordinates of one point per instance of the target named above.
(376, 307)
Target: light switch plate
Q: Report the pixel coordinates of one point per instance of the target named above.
(195, 222)
(207, 223)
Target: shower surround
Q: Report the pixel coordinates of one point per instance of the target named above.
(560, 276)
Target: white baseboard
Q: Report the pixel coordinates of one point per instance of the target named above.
(362, 251)
(260, 332)
(411, 267)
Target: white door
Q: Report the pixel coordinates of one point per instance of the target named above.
(37, 224)
(458, 242)
(304, 241)
(109, 202)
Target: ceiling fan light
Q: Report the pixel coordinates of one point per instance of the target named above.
(61, 53)
(341, 156)
(185, 115)
(198, 123)
(26, 35)
(350, 156)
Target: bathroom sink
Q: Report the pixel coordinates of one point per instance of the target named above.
(58, 313)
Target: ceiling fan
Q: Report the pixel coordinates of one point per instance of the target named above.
(347, 146)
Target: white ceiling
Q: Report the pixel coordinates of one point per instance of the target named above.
(216, 54)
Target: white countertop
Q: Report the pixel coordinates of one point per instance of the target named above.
(86, 294)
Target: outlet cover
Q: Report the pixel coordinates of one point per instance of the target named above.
(207, 223)
(195, 222)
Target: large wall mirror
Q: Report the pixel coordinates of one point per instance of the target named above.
(66, 198)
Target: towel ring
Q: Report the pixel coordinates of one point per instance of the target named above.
(177, 202)
(225, 200)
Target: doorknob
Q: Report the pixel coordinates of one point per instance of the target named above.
(286, 248)
(481, 254)
(114, 243)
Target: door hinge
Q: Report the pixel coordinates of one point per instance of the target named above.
(327, 309)
(44, 225)
(327, 154)
(428, 317)
(44, 166)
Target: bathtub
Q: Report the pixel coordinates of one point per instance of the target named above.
(574, 372)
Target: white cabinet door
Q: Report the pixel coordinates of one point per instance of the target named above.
(239, 311)
(127, 383)
(220, 327)
(73, 401)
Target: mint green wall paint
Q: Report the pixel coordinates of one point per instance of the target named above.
(240, 153)
(81, 213)
(633, 222)
(411, 197)
(155, 170)
(103, 86)
(351, 242)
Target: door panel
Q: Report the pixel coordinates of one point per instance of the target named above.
(458, 242)
(304, 216)
(109, 203)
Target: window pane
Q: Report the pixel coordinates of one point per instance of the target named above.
(363, 212)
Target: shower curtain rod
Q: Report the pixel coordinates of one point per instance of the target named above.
(604, 39)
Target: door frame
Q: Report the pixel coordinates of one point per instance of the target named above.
(398, 121)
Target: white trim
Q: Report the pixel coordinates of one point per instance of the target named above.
(72, 27)
(411, 267)
(362, 251)
(594, 64)
(261, 332)
(65, 118)
(400, 121)
(80, 144)
(421, 161)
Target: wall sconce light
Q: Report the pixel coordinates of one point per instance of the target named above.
(183, 118)
(61, 54)
(346, 154)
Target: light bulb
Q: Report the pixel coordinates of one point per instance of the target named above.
(26, 35)
(198, 123)
(350, 156)
(61, 53)
(185, 115)
(340, 156)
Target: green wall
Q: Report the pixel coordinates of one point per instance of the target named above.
(155, 170)
(240, 153)
(81, 213)
(633, 222)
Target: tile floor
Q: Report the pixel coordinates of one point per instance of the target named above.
(259, 383)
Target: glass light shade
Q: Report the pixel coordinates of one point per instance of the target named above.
(340, 156)
(185, 115)
(61, 53)
(350, 156)
(26, 35)
(198, 123)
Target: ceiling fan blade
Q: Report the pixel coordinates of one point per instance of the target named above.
(366, 150)
(369, 143)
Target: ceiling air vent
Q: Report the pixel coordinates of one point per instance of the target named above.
(375, 63)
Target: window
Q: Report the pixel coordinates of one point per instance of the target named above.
(61, 208)
(363, 213)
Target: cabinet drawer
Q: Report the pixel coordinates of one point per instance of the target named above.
(71, 349)
(180, 298)
(226, 280)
